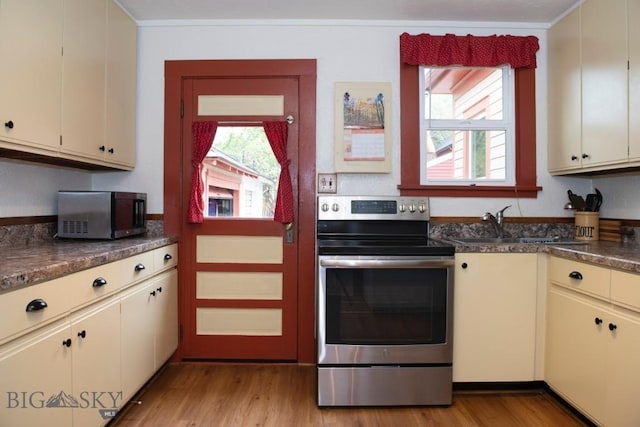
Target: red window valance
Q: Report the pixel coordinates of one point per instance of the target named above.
(469, 51)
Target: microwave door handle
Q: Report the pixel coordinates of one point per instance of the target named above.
(138, 211)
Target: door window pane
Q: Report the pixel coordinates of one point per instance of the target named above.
(240, 174)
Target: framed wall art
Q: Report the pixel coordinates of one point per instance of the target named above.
(362, 127)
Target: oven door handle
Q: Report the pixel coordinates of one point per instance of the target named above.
(386, 263)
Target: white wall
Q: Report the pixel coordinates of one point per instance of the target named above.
(355, 51)
(31, 190)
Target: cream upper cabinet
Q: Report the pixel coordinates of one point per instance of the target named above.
(120, 101)
(69, 93)
(83, 77)
(565, 120)
(604, 82)
(494, 332)
(589, 91)
(30, 75)
(633, 17)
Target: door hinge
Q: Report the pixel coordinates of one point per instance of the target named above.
(61, 140)
(181, 108)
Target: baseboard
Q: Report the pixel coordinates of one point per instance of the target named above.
(500, 386)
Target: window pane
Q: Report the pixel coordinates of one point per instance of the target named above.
(463, 93)
(240, 174)
(474, 154)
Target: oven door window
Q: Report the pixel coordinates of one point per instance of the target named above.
(386, 306)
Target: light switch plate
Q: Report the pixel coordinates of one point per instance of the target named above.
(327, 182)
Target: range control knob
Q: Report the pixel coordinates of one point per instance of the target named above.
(402, 208)
(422, 208)
(412, 208)
(335, 207)
(324, 207)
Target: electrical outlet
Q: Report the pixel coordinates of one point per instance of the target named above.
(327, 182)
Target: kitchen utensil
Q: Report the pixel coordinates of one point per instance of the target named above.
(577, 201)
(598, 200)
(592, 200)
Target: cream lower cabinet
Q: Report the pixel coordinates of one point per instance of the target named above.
(65, 374)
(165, 317)
(35, 369)
(81, 364)
(95, 366)
(149, 330)
(494, 327)
(593, 343)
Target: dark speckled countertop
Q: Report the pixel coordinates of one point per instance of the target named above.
(26, 265)
(621, 256)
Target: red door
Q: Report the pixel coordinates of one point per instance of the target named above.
(241, 279)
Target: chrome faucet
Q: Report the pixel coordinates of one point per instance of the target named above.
(497, 221)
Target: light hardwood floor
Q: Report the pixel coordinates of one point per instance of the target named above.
(209, 394)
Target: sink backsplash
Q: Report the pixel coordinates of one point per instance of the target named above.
(467, 230)
(443, 230)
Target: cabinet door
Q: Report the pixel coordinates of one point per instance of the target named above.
(604, 82)
(120, 126)
(96, 363)
(494, 317)
(31, 73)
(137, 335)
(623, 373)
(565, 123)
(166, 316)
(576, 355)
(633, 17)
(35, 373)
(83, 88)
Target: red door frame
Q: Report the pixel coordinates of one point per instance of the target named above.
(305, 71)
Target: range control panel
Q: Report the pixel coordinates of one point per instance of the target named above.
(373, 208)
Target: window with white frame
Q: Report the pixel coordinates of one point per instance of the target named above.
(467, 126)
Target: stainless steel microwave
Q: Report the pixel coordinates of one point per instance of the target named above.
(101, 214)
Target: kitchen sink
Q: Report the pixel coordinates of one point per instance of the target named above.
(511, 240)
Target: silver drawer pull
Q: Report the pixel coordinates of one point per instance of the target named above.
(139, 267)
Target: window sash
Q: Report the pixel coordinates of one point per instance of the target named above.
(507, 125)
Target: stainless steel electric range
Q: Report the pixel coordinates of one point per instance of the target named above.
(384, 304)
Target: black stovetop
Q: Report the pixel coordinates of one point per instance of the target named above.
(379, 238)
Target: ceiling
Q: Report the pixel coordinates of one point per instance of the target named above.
(517, 11)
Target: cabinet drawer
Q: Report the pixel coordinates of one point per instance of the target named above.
(48, 301)
(165, 257)
(625, 289)
(108, 278)
(134, 269)
(590, 279)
